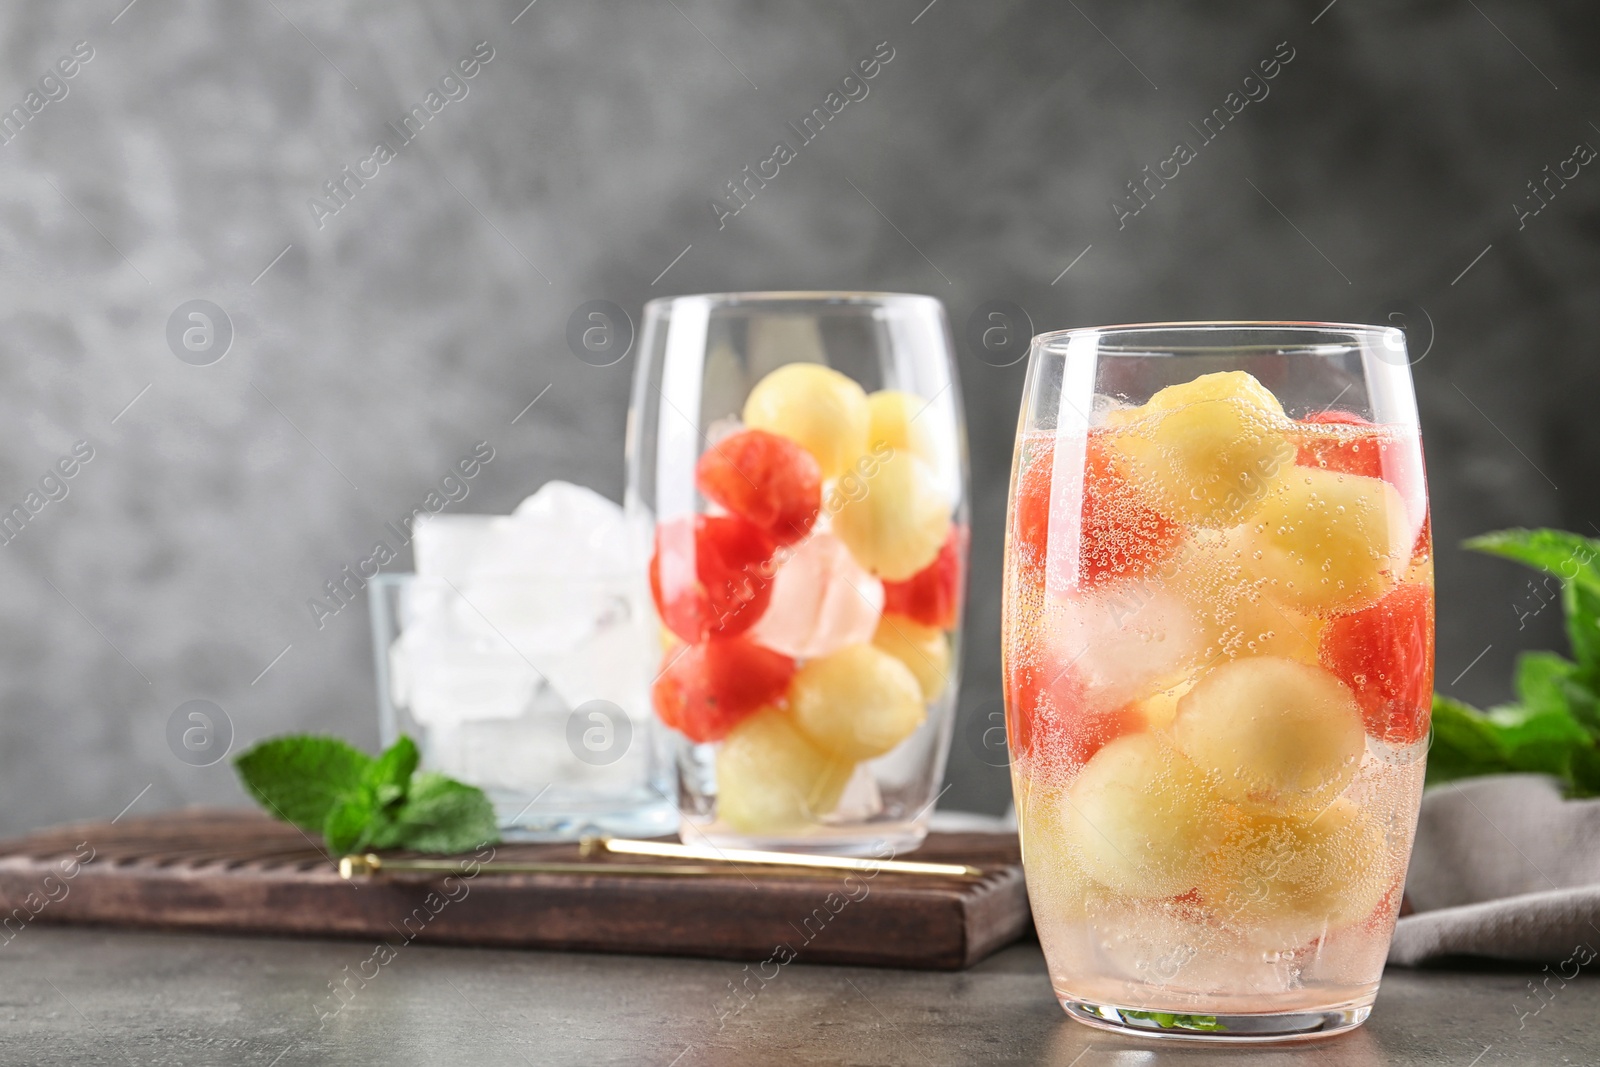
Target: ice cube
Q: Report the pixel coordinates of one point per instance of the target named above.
(861, 799)
(822, 601)
(1127, 642)
(447, 546)
(562, 529)
(551, 594)
(450, 677)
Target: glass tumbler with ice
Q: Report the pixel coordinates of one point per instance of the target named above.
(520, 656)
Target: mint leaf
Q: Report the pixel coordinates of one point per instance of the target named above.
(1504, 740)
(1581, 602)
(1540, 677)
(443, 815)
(1568, 556)
(346, 828)
(1547, 682)
(1464, 743)
(1586, 772)
(301, 778)
(390, 774)
(1573, 559)
(1171, 1021)
(1539, 741)
(359, 803)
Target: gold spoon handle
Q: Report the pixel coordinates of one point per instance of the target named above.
(358, 866)
(722, 862)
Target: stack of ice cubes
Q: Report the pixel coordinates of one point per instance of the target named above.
(511, 625)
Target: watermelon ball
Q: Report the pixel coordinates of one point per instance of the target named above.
(707, 689)
(767, 479)
(1051, 719)
(1030, 503)
(1120, 534)
(710, 575)
(1384, 653)
(932, 596)
(1357, 454)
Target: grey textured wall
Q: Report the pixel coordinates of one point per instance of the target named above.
(427, 312)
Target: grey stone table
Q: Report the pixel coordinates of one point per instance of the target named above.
(75, 996)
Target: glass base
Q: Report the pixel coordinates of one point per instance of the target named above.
(522, 821)
(880, 841)
(1255, 1028)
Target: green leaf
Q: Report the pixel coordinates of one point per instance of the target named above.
(1464, 743)
(1171, 1021)
(1547, 682)
(1539, 680)
(443, 815)
(1568, 556)
(1505, 740)
(346, 828)
(301, 778)
(1581, 602)
(1539, 741)
(358, 803)
(385, 832)
(390, 774)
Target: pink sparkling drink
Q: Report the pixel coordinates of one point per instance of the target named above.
(1218, 643)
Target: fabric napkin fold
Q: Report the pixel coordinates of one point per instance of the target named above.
(1506, 868)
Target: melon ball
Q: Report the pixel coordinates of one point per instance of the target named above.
(818, 408)
(1256, 624)
(1246, 622)
(1207, 451)
(1140, 818)
(1331, 542)
(1160, 709)
(770, 778)
(894, 423)
(894, 516)
(1272, 731)
(857, 703)
(1289, 878)
(1238, 615)
(1057, 883)
(923, 649)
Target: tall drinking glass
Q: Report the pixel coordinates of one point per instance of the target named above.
(801, 459)
(1218, 646)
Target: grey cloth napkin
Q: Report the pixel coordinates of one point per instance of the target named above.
(1503, 867)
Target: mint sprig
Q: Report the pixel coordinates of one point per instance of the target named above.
(1553, 727)
(1170, 1021)
(357, 802)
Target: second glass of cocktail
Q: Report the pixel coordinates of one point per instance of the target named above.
(1218, 642)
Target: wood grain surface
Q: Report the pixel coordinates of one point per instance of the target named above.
(241, 872)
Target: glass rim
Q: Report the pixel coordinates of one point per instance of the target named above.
(865, 298)
(1310, 330)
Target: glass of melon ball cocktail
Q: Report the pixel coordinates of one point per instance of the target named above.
(1218, 645)
(800, 461)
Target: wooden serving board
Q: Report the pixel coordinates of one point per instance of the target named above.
(240, 872)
